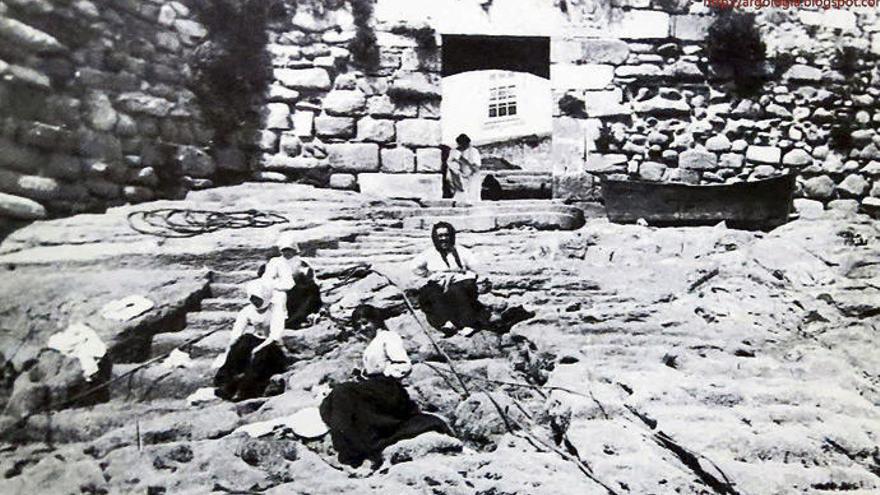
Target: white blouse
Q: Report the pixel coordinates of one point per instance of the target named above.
(386, 355)
(251, 321)
(281, 273)
(430, 261)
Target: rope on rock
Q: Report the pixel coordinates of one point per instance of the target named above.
(177, 223)
(510, 424)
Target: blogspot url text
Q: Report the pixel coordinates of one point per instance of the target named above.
(790, 4)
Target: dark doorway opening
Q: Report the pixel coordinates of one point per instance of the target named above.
(463, 53)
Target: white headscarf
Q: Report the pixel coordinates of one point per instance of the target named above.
(286, 241)
(259, 289)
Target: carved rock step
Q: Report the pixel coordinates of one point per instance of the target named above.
(210, 346)
(157, 381)
(544, 220)
(482, 209)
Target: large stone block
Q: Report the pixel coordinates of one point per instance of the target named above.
(282, 162)
(344, 102)
(277, 116)
(417, 186)
(354, 157)
(338, 127)
(377, 131)
(419, 132)
(195, 162)
(764, 154)
(343, 181)
(589, 51)
(429, 160)
(383, 106)
(19, 208)
(588, 76)
(639, 71)
(303, 123)
(663, 105)
(26, 37)
(821, 187)
(143, 103)
(697, 159)
(651, 171)
(854, 185)
(315, 78)
(396, 160)
(99, 111)
(797, 158)
(415, 85)
(640, 24)
(605, 103)
(803, 73)
(691, 27)
(839, 19)
(39, 188)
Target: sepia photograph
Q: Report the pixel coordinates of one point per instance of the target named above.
(439, 247)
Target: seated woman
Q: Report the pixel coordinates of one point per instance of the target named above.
(369, 414)
(449, 294)
(254, 353)
(296, 295)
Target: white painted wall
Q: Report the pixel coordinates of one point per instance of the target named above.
(465, 103)
(500, 17)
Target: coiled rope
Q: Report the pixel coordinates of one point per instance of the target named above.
(183, 223)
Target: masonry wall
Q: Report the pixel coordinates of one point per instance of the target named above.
(638, 67)
(95, 106)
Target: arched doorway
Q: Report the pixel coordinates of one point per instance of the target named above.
(496, 89)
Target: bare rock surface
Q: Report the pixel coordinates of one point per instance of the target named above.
(677, 360)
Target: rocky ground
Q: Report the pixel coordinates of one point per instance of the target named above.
(691, 360)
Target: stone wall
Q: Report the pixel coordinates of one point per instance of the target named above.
(330, 119)
(639, 68)
(95, 107)
(665, 114)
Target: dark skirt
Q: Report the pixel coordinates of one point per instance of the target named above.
(366, 416)
(244, 376)
(304, 299)
(457, 304)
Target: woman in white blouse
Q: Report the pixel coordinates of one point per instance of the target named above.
(253, 354)
(375, 411)
(448, 292)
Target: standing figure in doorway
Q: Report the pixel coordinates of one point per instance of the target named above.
(464, 166)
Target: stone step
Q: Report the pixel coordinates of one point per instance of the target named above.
(409, 251)
(210, 346)
(481, 209)
(545, 220)
(156, 381)
(223, 304)
(209, 317)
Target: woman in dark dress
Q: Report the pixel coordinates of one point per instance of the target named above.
(375, 411)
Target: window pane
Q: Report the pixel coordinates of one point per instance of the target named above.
(502, 111)
(511, 109)
(492, 111)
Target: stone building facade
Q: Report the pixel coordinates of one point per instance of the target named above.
(112, 118)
